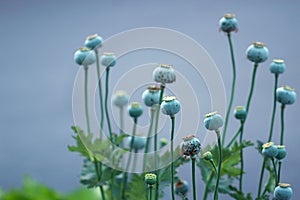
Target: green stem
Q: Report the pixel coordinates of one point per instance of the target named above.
(121, 119)
(134, 159)
(275, 171)
(211, 175)
(261, 178)
(100, 93)
(242, 159)
(279, 170)
(172, 151)
(214, 165)
(106, 104)
(252, 87)
(150, 191)
(129, 158)
(162, 89)
(274, 108)
(219, 164)
(282, 124)
(234, 137)
(194, 179)
(232, 89)
(99, 174)
(87, 117)
(146, 150)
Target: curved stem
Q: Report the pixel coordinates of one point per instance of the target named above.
(162, 89)
(106, 104)
(252, 87)
(279, 171)
(282, 124)
(146, 150)
(86, 103)
(261, 178)
(232, 89)
(129, 158)
(214, 165)
(121, 119)
(242, 159)
(100, 93)
(194, 179)
(219, 164)
(234, 137)
(274, 108)
(275, 171)
(207, 185)
(172, 159)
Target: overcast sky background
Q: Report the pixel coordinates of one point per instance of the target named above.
(38, 39)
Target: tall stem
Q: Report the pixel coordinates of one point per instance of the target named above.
(194, 178)
(129, 158)
(98, 170)
(275, 171)
(242, 158)
(146, 150)
(106, 104)
(279, 170)
(219, 164)
(100, 93)
(162, 89)
(234, 137)
(121, 119)
(261, 177)
(252, 87)
(172, 159)
(274, 108)
(232, 89)
(134, 160)
(207, 185)
(86, 103)
(150, 191)
(282, 124)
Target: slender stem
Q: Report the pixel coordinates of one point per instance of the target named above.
(121, 119)
(242, 159)
(129, 158)
(282, 124)
(214, 165)
(98, 170)
(100, 93)
(275, 171)
(232, 89)
(172, 159)
(106, 104)
(219, 164)
(252, 87)
(274, 108)
(234, 137)
(86, 103)
(194, 178)
(279, 170)
(150, 191)
(162, 89)
(146, 150)
(207, 185)
(261, 177)
(134, 159)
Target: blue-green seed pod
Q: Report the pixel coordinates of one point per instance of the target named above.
(240, 112)
(150, 179)
(120, 98)
(190, 147)
(286, 95)
(257, 52)
(269, 150)
(170, 106)
(139, 142)
(283, 191)
(277, 66)
(93, 41)
(108, 59)
(164, 74)
(135, 110)
(213, 121)
(151, 95)
(181, 187)
(84, 56)
(163, 142)
(228, 23)
(281, 152)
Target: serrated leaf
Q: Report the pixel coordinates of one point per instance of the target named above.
(137, 188)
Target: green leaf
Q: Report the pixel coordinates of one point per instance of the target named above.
(137, 188)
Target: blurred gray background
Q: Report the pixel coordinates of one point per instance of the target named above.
(38, 39)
